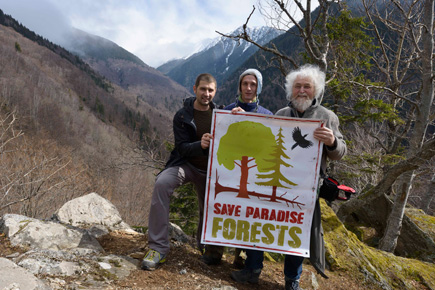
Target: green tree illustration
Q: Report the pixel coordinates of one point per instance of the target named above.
(243, 143)
(277, 161)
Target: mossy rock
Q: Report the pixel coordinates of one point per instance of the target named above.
(374, 268)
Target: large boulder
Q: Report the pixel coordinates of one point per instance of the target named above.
(372, 210)
(37, 234)
(66, 247)
(93, 212)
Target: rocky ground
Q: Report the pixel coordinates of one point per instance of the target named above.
(184, 270)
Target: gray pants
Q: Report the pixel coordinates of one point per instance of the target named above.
(167, 181)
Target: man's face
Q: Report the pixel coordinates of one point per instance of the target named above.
(204, 93)
(248, 87)
(302, 93)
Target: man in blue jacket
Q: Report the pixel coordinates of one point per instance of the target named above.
(249, 87)
(187, 163)
(304, 88)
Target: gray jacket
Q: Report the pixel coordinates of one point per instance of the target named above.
(335, 152)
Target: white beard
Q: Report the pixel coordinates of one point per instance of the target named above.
(301, 104)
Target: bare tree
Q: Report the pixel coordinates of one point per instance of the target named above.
(397, 100)
(428, 195)
(421, 37)
(283, 15)
(35, 174)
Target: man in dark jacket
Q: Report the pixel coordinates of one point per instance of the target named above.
(187, 163)
(249, 88)
(304, 89)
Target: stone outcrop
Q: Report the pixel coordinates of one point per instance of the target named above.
(37, 234)
(66, 247)
(14, 277)
(93, 212)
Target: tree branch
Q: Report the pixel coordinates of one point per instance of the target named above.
(425, 153)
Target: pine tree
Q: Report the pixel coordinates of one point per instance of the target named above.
(275, 173)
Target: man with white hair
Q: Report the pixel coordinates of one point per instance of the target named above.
(304, 88)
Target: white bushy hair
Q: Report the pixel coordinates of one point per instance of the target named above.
(307, 70)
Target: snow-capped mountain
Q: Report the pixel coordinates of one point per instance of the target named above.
(220, 57)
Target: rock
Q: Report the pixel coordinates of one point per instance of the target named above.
(177, 234)
(13, 277)
(37, 234)
(118, 266)
(314, 282)
(225, 287)
(57, 263)
(92, 210)
(65, 248)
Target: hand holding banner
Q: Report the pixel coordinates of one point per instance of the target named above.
(262, 182)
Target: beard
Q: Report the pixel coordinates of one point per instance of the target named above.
(301, 104)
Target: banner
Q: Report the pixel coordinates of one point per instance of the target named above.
(262, 182)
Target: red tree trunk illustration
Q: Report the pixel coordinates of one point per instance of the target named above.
(273, 197)
(243, 192)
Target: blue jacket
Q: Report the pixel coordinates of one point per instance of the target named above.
(249, 107)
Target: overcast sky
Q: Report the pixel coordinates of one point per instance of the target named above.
(154, 30)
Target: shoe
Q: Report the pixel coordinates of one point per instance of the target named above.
(153, 260)
(212, 255)
(208, 260)
(239, 263)
(292, 284)
(246, 275)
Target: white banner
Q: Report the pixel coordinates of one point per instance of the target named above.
(262, 182)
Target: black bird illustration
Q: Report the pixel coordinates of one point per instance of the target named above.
(300, 140)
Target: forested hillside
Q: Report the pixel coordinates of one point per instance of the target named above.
(67, 131)
(129, 72)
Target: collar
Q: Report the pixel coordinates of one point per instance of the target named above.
(248, 107)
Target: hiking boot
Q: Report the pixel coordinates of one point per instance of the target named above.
(153, 260)
(212, 255)
(239, 262)
(246, 275)
(209, 260)
(292, 284)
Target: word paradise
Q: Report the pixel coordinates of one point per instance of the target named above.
(274, 226)
(293, 217)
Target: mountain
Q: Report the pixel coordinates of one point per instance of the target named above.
(127, 70)
(221, 57)
(272, 96)
(67, 131)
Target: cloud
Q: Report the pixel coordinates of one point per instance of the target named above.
(154, 30)
(46, 20)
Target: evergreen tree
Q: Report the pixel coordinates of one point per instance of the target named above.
(275, 173)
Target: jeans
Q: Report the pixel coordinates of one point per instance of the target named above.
(292, 264)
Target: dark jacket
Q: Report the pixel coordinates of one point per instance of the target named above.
(249, 107)
(186, 142)
(335, 152)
